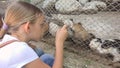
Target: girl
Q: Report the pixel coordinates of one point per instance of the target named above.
(24, 22)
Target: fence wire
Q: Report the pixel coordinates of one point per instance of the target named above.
(93, 24)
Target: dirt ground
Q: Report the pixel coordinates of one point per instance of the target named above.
(76, 56)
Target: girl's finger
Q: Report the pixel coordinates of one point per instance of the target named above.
(64, 27)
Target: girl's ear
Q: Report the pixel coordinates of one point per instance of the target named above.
(27, 27)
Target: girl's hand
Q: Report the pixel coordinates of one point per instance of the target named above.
(61, 35)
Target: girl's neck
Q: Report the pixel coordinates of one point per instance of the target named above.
(20, 37)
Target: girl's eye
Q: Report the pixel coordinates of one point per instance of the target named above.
(42, 25)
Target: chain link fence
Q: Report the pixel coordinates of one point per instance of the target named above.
(93, 25)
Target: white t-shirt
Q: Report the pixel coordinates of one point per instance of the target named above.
(16, 54)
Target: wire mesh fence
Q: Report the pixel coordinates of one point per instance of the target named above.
(93, 24)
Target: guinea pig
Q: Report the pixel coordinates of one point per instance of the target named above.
(110, 46)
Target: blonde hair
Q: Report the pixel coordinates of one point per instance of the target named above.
(1, 21)
(18, 13)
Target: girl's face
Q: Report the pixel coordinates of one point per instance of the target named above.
(39, 28)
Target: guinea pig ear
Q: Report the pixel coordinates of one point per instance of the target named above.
(99, 40)
(71, 19)
(79, 23)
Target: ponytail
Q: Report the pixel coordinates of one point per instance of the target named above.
(3, 28)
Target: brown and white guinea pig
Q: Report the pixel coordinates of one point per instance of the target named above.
(77, 32)
(110, 46)
(80, 32)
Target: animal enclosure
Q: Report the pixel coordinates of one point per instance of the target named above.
(93, 27)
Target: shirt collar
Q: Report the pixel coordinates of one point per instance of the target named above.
(7, 38)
